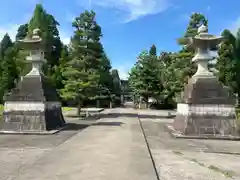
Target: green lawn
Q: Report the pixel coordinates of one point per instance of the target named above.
(1, 108)
(66, 109)
(1, 111)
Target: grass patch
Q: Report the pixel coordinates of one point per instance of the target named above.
(226, 173)
(1, 111)
(67, 109)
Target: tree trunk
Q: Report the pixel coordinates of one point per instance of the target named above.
(98, 103)
(146, 102)
(110, 104)
(79, 106)
(238, 99)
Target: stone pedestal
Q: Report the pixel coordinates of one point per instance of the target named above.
(32, 107)
(206, 109)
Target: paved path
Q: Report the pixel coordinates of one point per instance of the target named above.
(185, 159)
(113, 149)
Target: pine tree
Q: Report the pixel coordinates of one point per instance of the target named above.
(106, 82)
(9, 72)
(237, 65)
(82, 71)
(5, 44)
(145, 78)
(22, 31)
(226, 61)
(153, 50)
(59, 69)
(196, 20)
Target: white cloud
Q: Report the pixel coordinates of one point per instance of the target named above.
(65, 37)
(133, 9)
(65, 40)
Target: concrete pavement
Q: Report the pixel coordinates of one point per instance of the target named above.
(112, 149)
(116, 148)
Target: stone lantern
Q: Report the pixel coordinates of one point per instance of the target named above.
(33, 106)
(206, 109)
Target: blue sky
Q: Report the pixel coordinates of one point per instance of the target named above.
(129, 26)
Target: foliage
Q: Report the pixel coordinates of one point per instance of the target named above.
(226, 62)
(145, 76)
(1, 111)
(106, 81)
(22, 31)
(182, 67)
(58, 70)
(82, 73)
(153, 50)
(8, 67)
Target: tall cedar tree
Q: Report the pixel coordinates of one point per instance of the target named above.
(237, 60)
(82, 71)
(153, 50)
(59, 69)
(106, 81)
(228, 62)
(9, 72)
(50, 35)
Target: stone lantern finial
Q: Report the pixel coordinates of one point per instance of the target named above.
(36, 33)
(202, 29)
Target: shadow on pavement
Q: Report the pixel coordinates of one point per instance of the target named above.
(108, 124)
(75, 127)
(115, 115)
(78, 127)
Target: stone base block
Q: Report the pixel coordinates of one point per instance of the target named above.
(31, 118)
(179, 135)
(28, 132)
(205, 120)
